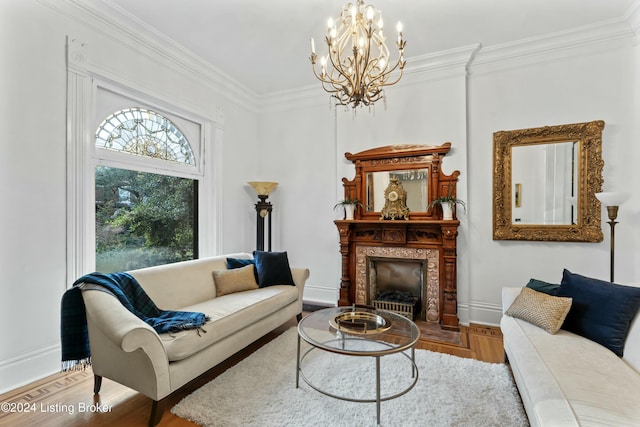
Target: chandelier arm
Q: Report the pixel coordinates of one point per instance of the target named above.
(326, 82)
(396, 80)
(386, 55)
(339, 79)
(331, 89)
(338, 66)
(319, 76)
(326, 77)
(369, 64)
(363, 84)
(388, 73)
(359, 78)
(343, 79)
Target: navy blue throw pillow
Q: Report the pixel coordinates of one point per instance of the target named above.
(540, 286)
(601, 311)
(273, 268)
(239, 263)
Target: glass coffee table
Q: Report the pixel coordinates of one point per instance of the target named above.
(358, 331)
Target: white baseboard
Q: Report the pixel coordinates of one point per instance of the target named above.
(29, 367)
(472, 312)
(484, 313)
(321, 295)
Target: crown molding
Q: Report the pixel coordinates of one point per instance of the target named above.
(633, 18)
(302, 97)
(461, 61)
(444, 64)
(457, 59)
(115, 24)
(558, 43)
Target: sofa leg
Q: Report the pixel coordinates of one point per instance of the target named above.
(97, 383)
(299, 317)
(156, 412)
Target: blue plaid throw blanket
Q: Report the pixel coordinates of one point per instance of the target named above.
(73, 323)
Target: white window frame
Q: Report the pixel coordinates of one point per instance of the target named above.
(83, 81)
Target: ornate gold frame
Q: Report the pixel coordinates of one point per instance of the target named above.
(588, 227)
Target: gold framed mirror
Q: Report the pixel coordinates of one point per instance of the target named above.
(544, 183)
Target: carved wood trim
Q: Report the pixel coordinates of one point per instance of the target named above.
(399, 157)
(402, 237)
(399, 152)
(423, 232)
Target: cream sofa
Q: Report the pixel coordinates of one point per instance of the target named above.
(128, 351)
(567, 380)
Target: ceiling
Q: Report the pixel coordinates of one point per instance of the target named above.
(265, 44)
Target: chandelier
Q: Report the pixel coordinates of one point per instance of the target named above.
(357, 66)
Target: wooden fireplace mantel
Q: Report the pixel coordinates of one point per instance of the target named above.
(440, 235)
(423, 230)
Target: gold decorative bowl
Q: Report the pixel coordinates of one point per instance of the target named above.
(360, 322)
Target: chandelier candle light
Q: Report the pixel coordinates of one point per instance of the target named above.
(357, 66)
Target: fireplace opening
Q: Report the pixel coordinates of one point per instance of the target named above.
(398, 285)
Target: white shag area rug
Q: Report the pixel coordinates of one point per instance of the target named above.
(261, 391)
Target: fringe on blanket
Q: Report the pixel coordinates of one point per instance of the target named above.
(76, 365)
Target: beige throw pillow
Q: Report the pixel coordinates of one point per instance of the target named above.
(540, 309)
(235, 280)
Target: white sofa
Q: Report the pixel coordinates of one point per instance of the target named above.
(125, 349)
(567, 380)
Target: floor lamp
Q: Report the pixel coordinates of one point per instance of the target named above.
(612, 200)
(263, 209)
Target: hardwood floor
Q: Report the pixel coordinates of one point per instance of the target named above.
(67, 399)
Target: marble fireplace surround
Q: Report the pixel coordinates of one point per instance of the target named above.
(365, 292)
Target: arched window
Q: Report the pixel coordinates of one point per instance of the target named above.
(143, 218)
(144, 133)
(117, 122)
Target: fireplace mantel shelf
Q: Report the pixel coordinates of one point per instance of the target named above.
(399, 222)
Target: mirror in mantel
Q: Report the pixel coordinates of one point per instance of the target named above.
(414, 182)
(545, 180)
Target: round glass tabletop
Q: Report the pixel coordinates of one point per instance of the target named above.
(358, 331)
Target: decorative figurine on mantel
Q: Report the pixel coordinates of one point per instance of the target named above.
(395, 201)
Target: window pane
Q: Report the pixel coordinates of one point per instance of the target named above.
(144, 133)
(143, 219)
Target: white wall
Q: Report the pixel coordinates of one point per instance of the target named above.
(572, 85)
(631, 210)
(297, 149)
(33, 161)
(32, 258)
(297, 140)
